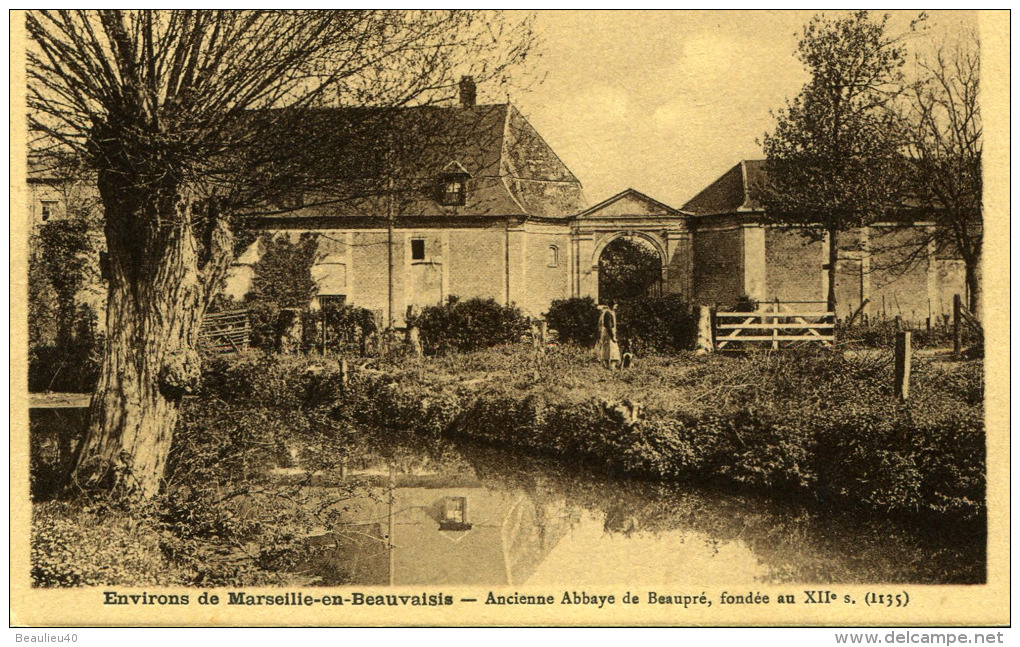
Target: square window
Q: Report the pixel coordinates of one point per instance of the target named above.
(418, 249)
(49, 209)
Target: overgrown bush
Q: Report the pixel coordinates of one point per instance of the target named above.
(882, 334)
(663, 325)
(91, 545)
(468, 325)
(72, 364)
(346, 328)
(575, 320)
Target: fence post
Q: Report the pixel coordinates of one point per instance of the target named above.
(704, 343)
(345, 375)
(775, 325)
(414, 340)
(902, 374)
(957, 331)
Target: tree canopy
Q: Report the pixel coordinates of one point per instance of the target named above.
(834, 159)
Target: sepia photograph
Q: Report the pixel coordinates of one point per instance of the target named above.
(477, 317)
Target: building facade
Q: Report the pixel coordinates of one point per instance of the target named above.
(737, 253)
(470, 201)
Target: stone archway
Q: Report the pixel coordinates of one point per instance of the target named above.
(649, 275)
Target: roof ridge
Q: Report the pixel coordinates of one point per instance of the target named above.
(505, 159)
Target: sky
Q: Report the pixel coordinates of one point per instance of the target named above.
(666, 102)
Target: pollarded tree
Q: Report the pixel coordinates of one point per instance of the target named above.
(834, 161)
(170, 110)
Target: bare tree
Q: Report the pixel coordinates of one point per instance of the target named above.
(170, 110)
(944, 130)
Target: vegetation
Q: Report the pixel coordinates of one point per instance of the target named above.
(628, 270)
(817, 429)
(813, 425)
(575, 320)
(468, 325)
(283, 274)
(944, 139)
(833, 160)
(73, 364)
(657, 325)
(647, 325)
(170, 110)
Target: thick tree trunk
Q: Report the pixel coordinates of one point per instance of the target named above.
(161, 280)
(973, 278)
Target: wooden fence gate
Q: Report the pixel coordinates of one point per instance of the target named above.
(225, 332)
(775, 325)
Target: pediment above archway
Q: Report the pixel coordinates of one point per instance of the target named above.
(630, 204)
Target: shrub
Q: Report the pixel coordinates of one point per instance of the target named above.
(468, 325)
(575, 320)
(659, 325)
(346, 327)
(882, 334)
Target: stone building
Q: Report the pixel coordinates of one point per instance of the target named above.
(736, 253)
(411, 206)
(472, 202)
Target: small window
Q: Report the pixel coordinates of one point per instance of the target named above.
(554, 256)
(453, 189)
(332, 301)
(418, 249)
(49, 209)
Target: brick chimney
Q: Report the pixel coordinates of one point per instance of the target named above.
(468, 92)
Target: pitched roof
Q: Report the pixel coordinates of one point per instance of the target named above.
(391, 161)
(629, 203)
(731, 193)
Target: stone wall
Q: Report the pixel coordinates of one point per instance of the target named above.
(718, 266)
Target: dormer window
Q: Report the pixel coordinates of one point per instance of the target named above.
(453, 189)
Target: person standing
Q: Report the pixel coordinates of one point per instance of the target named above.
(608, 347)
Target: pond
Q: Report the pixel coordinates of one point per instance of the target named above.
(450, 512)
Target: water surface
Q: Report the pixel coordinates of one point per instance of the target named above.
(457, 513)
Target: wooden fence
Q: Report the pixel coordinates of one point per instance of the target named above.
(775, 325)
(225, 332)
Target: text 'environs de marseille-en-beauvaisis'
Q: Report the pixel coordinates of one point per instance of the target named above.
(303, 598)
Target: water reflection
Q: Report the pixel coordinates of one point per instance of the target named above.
(445, 513)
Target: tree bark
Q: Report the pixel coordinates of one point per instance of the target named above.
(973, 278)
(161, 280)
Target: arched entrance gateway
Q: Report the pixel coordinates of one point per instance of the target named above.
(630, 265)
(631, 245)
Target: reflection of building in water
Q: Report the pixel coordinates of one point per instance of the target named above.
(445, 530)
